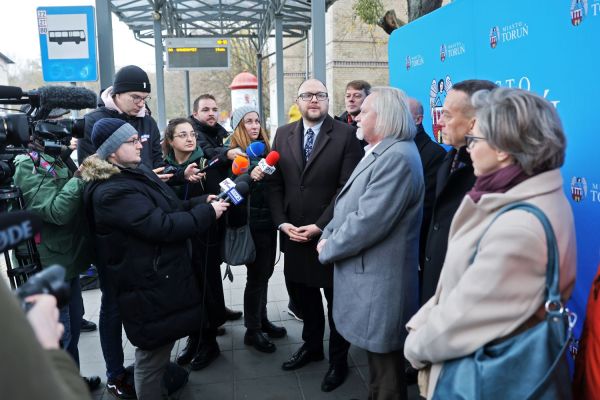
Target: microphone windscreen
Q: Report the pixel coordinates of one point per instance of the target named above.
(272, 158)
(256, 149)
(240, 165)
(243, 178)
(16, 227)
(10, 92)
(242, 188)
(72, 98)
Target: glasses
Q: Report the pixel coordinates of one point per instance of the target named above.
(134, 142)
(137, 99)
(185, 135)
(471, 140)
(321, 96)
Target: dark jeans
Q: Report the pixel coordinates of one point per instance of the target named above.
(259, 272)
(310, 303)
(110, 328)
(387, 377)
(70, 316)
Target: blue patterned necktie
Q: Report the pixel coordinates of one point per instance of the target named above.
(308, 146)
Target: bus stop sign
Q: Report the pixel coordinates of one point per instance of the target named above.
(68, 43)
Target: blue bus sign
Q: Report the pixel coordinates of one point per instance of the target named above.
(68, 43)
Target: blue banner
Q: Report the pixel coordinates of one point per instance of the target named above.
(548, 47)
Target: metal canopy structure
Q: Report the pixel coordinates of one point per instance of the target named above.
(154, 20)
(254, 19)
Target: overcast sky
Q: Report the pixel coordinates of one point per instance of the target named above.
(19, 39)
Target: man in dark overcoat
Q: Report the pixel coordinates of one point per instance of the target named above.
(318, 154)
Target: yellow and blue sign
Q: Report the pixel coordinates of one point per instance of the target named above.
(548, 47)
(68, 43)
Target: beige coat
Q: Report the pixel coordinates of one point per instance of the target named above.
(504, 286)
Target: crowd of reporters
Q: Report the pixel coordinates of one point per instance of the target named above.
(383, 231)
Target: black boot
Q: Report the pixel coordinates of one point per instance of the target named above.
(190, 349)
(207, 353)
(259, 340)
(272, 330)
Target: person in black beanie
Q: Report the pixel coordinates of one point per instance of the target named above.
(126, 99)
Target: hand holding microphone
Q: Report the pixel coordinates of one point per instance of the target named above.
(267, 164)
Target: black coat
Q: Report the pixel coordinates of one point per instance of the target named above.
(451, 188)
(206, 247)
(210, 140)
(305, 194)
(147, 129)
(142, 233)
(432, 156)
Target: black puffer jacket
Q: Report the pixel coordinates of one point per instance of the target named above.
(142, 233)
(146, 127)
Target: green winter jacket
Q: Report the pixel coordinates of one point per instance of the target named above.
(65, 237)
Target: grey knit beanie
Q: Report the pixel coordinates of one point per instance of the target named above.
(108, 134)
(239, 114)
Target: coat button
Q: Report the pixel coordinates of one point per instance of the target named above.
(436, 227)
(427, 258)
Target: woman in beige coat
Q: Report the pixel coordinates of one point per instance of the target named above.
(517, 147)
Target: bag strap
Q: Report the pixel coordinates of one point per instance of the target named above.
(554, 306)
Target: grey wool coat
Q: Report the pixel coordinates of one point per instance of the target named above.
(373, 242)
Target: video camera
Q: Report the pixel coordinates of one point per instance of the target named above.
(16, 228)
(33, 127)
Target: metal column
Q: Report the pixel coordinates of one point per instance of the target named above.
(188, 107)
(279, 69)
(160, 75)
(106, 67)
(259, 78)
(317, 9)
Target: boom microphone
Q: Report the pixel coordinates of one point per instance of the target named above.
(72, 98)
(16, 227)
(10, 92)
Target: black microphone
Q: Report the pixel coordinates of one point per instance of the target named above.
(69, 97)
(211, 164)
(16, 227)
(10, 92)
(51, 281)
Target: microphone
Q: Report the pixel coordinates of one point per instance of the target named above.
(51, 281)
(50, 97)
(16, 227)
(234, 195)
(256, 149)
(69, 97)
(211, 164)
(267, 164)
(240, 165)
(10, 92)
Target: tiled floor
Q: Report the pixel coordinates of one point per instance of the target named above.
(241, 372)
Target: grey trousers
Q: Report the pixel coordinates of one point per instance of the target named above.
(150, 366)
(387, 380)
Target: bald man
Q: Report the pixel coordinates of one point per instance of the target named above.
(318, 154)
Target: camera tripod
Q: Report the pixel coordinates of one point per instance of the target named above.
(26, 255)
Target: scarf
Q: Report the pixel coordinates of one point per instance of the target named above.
(499, 181)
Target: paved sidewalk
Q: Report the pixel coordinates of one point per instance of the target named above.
(241, 372)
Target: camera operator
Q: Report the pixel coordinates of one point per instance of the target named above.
(50, 190)
(142, 233)
(33, 366)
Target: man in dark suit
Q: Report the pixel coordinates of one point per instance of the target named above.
(432, 156)
(318, 154)
(454, 179)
